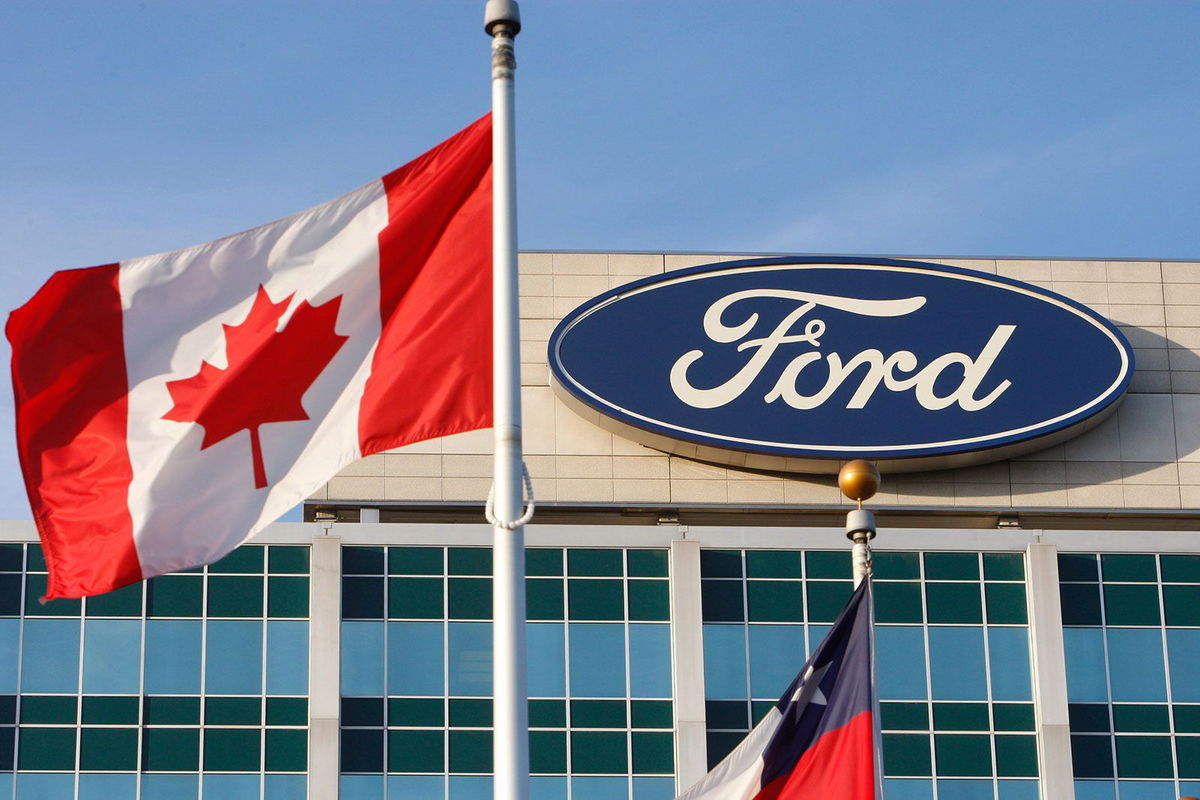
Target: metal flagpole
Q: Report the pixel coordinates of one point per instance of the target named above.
(502, 21)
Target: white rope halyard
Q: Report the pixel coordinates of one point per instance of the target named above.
(489, 508)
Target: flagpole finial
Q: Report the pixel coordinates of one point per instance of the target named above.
(859, 480)
(502, 12)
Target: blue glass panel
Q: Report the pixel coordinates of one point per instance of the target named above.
(287, 657)
(173, 657)
(597, 659)
(1008, 651)
(1147, 790)
(545, 788)
(235, 664)
(44, 786)
(725, 662)
(1189, 787)
(362, 663)
(956, 665)
(816, 635)
(1095, 790)
(599, 788)
(1017, 790)
(415, 787)
(112, 656)
(900, 667)
(1085, 665)
(415, 656)
(470, 787)
(547, 662)
(470, 655)
(231, 787)
(99, 786)
(1135, 664)
(170, 787)
(776, 655)
(285, 787)
(649, 660)
(50, 658)
(6, 784)
(1183, 651)
(10, 638)
(901, 789)
(653, 788)
(965, 790)
(361, 787)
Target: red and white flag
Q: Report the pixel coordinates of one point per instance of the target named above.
(169, 407)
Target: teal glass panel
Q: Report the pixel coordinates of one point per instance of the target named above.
(1135, 663)
(589, 562)
(963, 755)
(1180, 568)
(653, 753)
(470, 713)
(547, 713)
(409, 712)
(647, 563)
(725, 662)
(469, 598)
(245, 559)
(109, 749)
(651, 714)
(775, 601)
(720, 564)
(1187, 719)
(595, 599)
(1131, 605)
(1144, 757)
(48, 710)
(898, 602)
(1006, 603)
(1080, 603)
(415, 751)
(1187, 753)
(961, 717)
(827, 564)
(826, 599)
(906, 754)
(1008, 652)
(544, 599)
(415, 560)
(469, 655)
(958, 603)
(957, 664)
(1122, 567)
(1078, 567)
(362, 598)
(1016, 756)
(175, 596)
(1013, 716)
(112, 656)
(722, 601)
(773, 564)
(904, 716)
(598, 752)
(287, 597)
(233, 711)
(1003, 566)
(171, 749)
(35, 590)
(951, 567)
(1141, 718)
(1086, 680)
(415, 658)
(598, 714)
(543, 561)
(1182, 605)
(597, 659)
(546, 665)
(775, 650)
(172, 710)
(239, 667)
(362, 560)
(124, 602)
(548, 751)
(469, 561)
(362, 750)
(110, 710)
(287, 559)
(649, 601)
(287, 657)
(887, 565)
(287, 711)
(470, 751)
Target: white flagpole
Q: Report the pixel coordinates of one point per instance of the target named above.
(510, 748)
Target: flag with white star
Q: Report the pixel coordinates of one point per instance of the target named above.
(820, 741)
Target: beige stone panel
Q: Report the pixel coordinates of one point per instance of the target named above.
(1147, 428)
(1089, 294)
(641, 467)
(1030, 472)
(1093, 472)
(641, 491)
(472, 490)
(1185, 383)
(584, 490)
(1187, 426)
(996, 472)
(584, 466)
(1189, 496)
(750, 475)
(1102, 443)
(541, 466)
(1182, 294)
(1152, 496)
(741, 491)
(681, 260)
(538, 308)
(533, 352)
(471, 442)
(1103, 496)
(625, 447)
(1091, 271)
(580, 264)
(535, 375)
(635, 264)
(1136, 293)
(364, 467)
(1189, 473)
(538, 408)
(982, 494)
(698, 491)
(565, 305)
(1148, 336)
(977, 264)
(1134, 272)
(924, 493)
(1142, 316)
(686, 469)
(356, 488)
(1028, 270)
(537, 329)
(1151, 358)
(467, 466)
(580, 285)
(1181, 360)
(545, 490)
(321, 493)
(535, 263)
(742, 257)
(765, 462)
(1183, 316)
(412, 488)
(573, 435)
(1146, 382)
(412, 465)
(1038, 495)
(1055, 453)
(1150, 474)
(1181, 271)
(536, 286)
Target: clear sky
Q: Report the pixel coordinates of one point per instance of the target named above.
(960, 127)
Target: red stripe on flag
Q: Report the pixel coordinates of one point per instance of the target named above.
(432, 371)
(71, 389)
(839, 766)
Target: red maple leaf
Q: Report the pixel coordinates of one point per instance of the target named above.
(268, 373)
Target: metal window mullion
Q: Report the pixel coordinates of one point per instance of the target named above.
(78, 700)
(20, 663)
(1166, 656)
(928, 675)
(1112, 723)
(745, 582)
(203, 679)
(141, 714)
(262, 705)
(628, 676)
(987, 674)
(445, 677)
(568, 721)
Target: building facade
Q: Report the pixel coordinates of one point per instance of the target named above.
(1038, 618)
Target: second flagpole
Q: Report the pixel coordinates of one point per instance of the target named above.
(510, 748)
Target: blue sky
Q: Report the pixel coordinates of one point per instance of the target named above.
(911, 128)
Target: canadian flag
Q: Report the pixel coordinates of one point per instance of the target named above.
(169, 407)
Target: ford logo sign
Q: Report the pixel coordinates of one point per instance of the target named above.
(819, 360)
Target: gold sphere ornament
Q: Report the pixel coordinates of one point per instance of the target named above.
(859, 480)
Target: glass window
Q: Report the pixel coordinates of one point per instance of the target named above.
(1135, 663)
(362, 659)
(547, 669)
(775, 652)
(956, 663)
(112, 656)
(1086, 681)
(724, 662)
(597, 659)
(236, 665)
(900, 673)
(173, 656)
(470, 657)
(50, 656)
(1008, 652)
(93, 786)
(1183, 650)
(10, 638)
(287, 657)
(649, 660)
(414, 664)
(170, 787)
(231, 787)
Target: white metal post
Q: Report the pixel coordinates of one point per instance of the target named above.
(511, 716)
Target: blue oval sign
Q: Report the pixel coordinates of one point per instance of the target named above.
(829, 359)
